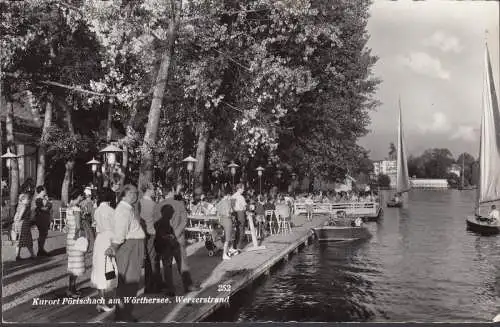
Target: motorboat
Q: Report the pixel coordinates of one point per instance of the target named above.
(342, 230)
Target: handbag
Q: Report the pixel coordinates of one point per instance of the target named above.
(110, 275)
(81, 244)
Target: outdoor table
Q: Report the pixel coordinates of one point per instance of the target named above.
(201, 224)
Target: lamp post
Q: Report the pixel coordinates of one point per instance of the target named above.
(279, 172)
(294, 177)
(259, 173)
(9, 156)
(93, 166)
(109, 153)
(190, 161)
(233, 167)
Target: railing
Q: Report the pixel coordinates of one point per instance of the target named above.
(351, 208)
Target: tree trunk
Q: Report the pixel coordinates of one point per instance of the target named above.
(14, 170)
(40, 171)
(146, 168)
(70, 164)
(201, 150)
(129, 132)
(109, 130)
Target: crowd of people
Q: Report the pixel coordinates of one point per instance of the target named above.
(125, 232)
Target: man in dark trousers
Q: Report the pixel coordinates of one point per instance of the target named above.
(43, 218)
(178, 222)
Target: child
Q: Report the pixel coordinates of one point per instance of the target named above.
(215, 241)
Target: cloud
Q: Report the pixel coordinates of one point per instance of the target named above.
(446, 43)
(424, 64)
(439, 124)
(465, 133)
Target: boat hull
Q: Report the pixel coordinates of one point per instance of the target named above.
(482, 227)
(380, 214)
(394, 204)
(341, 233)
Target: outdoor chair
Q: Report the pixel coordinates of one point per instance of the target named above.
(59, 222)
(270, 214)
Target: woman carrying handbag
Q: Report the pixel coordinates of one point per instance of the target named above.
(104, 275)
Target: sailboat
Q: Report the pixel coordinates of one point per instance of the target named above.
(489, 156)
(402, 179)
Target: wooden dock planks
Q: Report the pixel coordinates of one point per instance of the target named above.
(210, 271)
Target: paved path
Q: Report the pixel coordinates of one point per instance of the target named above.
(47, 278)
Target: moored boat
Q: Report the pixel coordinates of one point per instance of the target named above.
(341, 228)
(341, 233)
(394, 204)
(488, 190)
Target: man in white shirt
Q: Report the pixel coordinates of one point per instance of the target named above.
(127, 245)
(239, 207)
(494, 215)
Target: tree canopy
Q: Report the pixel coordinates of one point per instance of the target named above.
(274, 83)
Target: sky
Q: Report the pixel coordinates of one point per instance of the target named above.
(431, 54)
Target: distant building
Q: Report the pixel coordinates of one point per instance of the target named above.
(386, 167)
(455, 169)
(429, 183)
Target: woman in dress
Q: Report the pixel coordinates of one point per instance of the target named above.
(76, 258)
(103, 217)
(22, 226)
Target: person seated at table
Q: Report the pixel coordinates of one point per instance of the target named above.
(341, 214)
(196, 205)
(357, 222)
(282, 208)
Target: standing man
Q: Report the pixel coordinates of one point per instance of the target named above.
(146, 210)
(240, 207)
(127, 245)
(43, 218)
(178, 221)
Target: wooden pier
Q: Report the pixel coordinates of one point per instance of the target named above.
(220, 279)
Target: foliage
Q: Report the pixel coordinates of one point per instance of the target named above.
(61, 145)
(383, 180)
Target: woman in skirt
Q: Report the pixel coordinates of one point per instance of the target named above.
(22, 226)
(76, 258)
(101, 264)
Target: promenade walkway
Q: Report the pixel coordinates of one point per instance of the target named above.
(219, 279)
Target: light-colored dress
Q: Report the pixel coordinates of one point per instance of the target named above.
(76, 259)
(103, 217)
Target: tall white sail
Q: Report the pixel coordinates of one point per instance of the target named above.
(489, 153)
(402, 179)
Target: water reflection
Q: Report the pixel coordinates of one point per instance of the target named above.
(421, 265)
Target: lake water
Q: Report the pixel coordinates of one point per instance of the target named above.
(421, 265)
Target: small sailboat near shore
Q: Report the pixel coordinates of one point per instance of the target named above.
(402, 179)
(489, 157)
